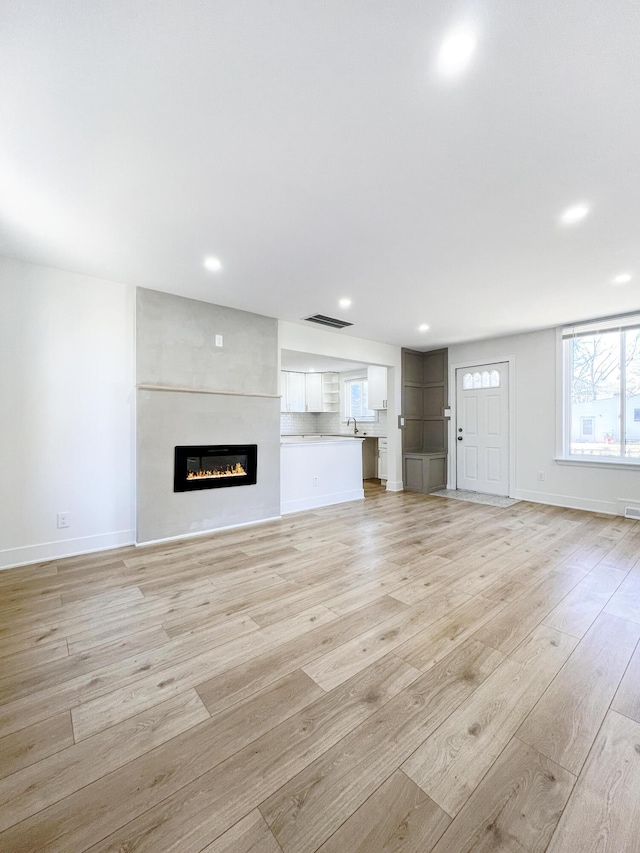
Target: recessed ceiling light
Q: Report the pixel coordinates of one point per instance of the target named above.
(423, 328)
(574, 214)
(344, 303)
(456, 51)
(212, 264)
(623, 278)
(312, 370)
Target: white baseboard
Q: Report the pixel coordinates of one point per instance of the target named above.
(395, 486)
(46, 551)
(623, 503)
(322, 500)
(206, 532)
(567, 501)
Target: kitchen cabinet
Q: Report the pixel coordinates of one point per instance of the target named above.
(309, 392)
(313, 392)
(293, 392)
(377, 387)
(382, 459)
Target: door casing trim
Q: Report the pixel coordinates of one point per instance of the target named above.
(452, 474)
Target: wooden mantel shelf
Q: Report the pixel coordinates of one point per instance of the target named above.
(185, 390)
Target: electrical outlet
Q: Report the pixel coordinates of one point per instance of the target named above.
(64, 519)
(218, 340)
(315, 481)
(541, 476)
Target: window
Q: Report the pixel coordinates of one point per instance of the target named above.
(485, 379)
(356, 402)
(602, 390)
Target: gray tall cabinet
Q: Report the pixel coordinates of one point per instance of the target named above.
(425, 433)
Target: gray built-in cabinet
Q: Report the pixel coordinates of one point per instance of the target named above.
(424, 437)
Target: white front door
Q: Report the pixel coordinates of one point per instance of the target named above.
(482, 428)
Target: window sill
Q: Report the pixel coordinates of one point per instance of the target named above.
(597, 462)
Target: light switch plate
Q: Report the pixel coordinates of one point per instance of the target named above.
(218, 340)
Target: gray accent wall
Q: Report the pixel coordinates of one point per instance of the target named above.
(176, 347)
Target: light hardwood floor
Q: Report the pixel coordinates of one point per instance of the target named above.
(406, 673)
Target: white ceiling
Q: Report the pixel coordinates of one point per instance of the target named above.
(313, 149)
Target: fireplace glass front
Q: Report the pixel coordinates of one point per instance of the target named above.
(214, 466)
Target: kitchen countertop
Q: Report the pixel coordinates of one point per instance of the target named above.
(318, 439)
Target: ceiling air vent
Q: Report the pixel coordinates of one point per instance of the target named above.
(328, 321)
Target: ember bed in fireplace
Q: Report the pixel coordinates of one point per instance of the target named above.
(214, 466)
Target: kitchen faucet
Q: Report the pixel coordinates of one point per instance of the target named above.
(355, 425)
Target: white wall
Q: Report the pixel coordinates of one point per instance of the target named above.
(320, 342)
(535, 430)
(67, 400)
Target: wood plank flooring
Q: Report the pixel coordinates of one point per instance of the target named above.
(403, 673)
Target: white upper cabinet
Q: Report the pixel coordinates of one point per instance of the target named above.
(377, 387)
(309, 392)
(313, 392)
(293, 392)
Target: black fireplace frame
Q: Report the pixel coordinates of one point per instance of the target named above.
(182, 452)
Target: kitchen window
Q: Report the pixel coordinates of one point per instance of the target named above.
(356, 402)
(602, 390)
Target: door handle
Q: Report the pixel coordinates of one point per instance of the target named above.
(459, 438)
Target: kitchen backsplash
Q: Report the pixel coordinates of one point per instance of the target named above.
(300, 423)
(328, 423)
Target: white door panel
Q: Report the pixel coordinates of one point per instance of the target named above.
(471, 415)
(482, 428)
(470, 459)
(493, 415)
(493, 465)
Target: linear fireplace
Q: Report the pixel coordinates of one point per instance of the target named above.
(214, 466)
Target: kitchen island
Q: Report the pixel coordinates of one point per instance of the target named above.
(319, 470)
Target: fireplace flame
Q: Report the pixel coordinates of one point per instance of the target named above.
(236, 471)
